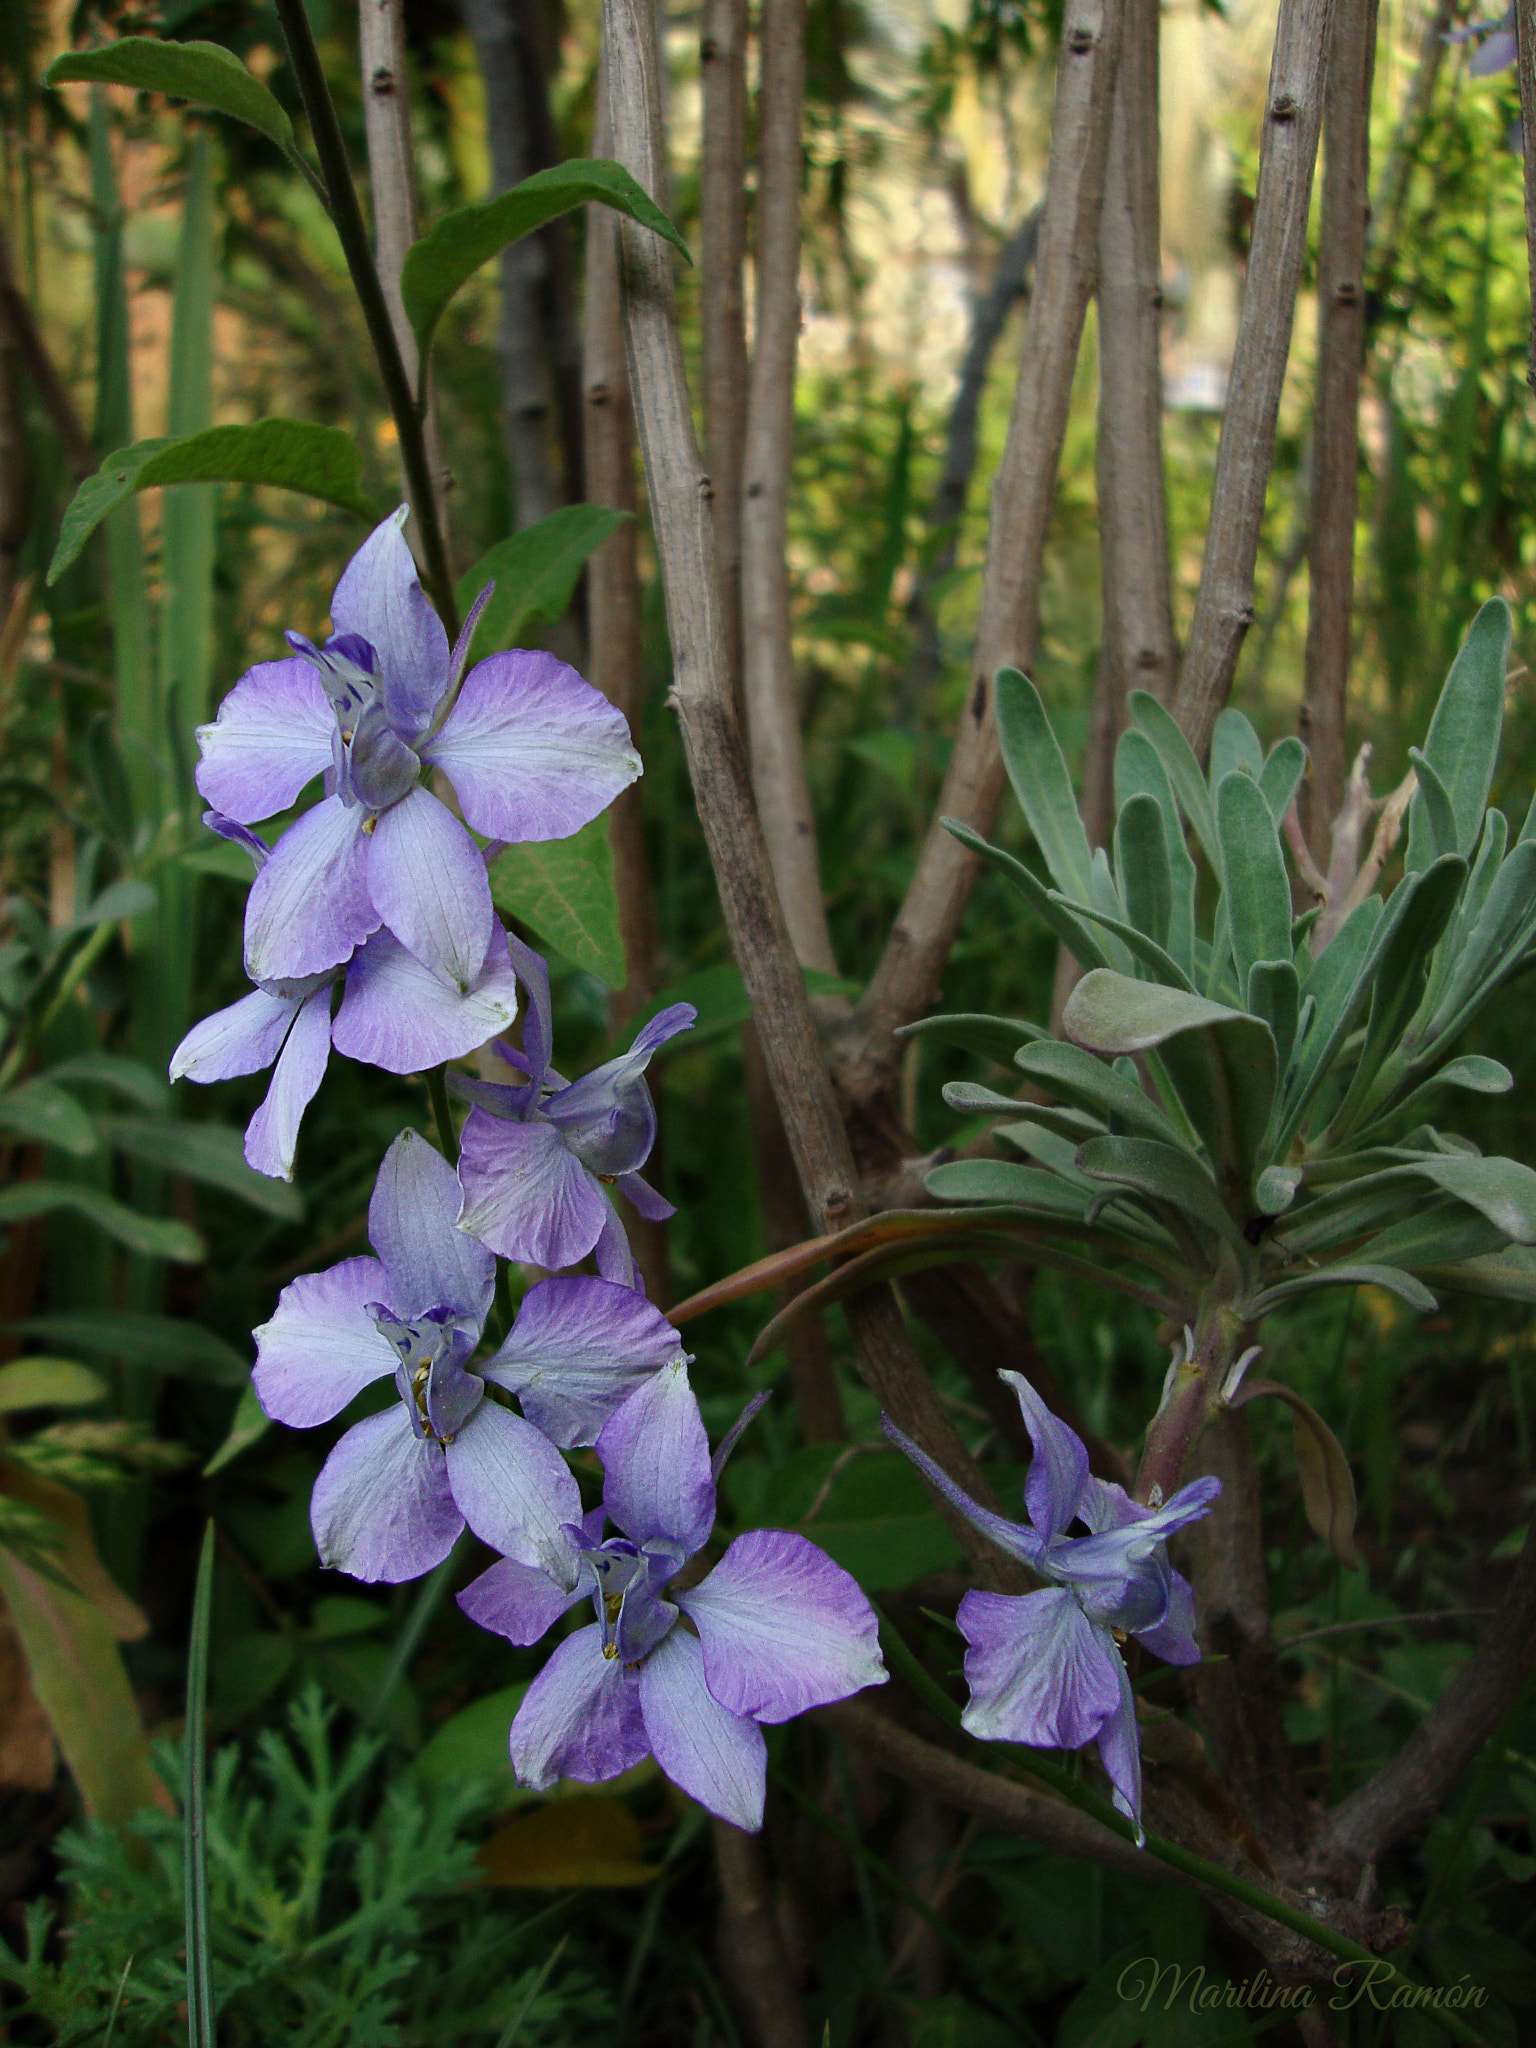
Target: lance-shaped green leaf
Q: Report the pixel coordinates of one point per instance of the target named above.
(1503, 1190)
(1437, 834)
(993, 1038)
(249, 1425)
(1189, 785)
(211, 1153)
(1491, 849)
(1038, 772)
(1357, 1273)
(205, 73)
(48, 1115)
(1254, 881)
(1220, 1061)
(1075, 934)
(1069, 1126)
(154, 1236)
(291, 455)
(48, 1383)
(1282, 775)
(1496, 1276)
(1000, 1180)
(451, 252)
(1274, 993)
(1462, 744)
(1438, 1234)
(1139, 771)
(148, 1343)
(1398, 969)
(535, 573)
(1137, 944)
(1342, 1215)
(564, 890)
(1472, 1072)
(113, 1070)
(1235, 746)
(1077, 1077)
(1175, 1184)
(1141, 868)
(1492, 951)
(1337, 988)
(1327, 1484)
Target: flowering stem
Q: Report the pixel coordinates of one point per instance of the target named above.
(447, 1137)
(1190, 1402)
(347, 216)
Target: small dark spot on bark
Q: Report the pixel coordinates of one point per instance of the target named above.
(1156, 296)
(754, 490)
(706, 488)
(1081, 41)
(838, 1199)
(1283, 107)
(598, 394)
(1147, 657)
(1348, 293)
(709, 49)
(979, 700)
(383, 80)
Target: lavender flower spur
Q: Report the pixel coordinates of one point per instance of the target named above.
(537, 1160)
(775, 1628)
(397, 1490)
(394, 1014)
(1044, 1668)
(532, 752)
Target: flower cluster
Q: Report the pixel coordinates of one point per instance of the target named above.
(378, 891)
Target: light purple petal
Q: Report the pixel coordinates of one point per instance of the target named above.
(240, 1040)
(524, 1194)
(1013, 1537)
(309, 907)
(733, 1435)
(1038, 1669)
(1496, 54)
(412, 1225)
(272, 735)
(1058, 1472)
(518, 1601)
(656, 1464)
(380, 598)
(579, 1719)
(578, 1348)
(396, 1014)
(513, 1487)
(616, 1260)
(1129, 1546)
(1120, 1754)
(321, 1347)
(538, 1019)
(381, 1508)
(653, 1207)
(429, 885)
(272, 1135)
(239, 835)
(532, 751)
(783, 1628)
(715, 1756)
(1174, 1638)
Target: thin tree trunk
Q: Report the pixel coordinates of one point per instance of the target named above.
(906, 980)
(1336, 420)
(1525, 42)
(752, 1959)
(718, 766)
(722, 252)
(1288, 154)
(392, 183)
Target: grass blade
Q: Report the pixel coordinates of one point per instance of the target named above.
(200, 2024)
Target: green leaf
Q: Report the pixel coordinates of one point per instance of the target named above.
(1500, 1276)
(449, 254)
(1437, 1234)
(1357, 1273)
(1136, 943)
(563, 890)
(155, 1343)
(1463, 740)
(154, 1237)
(1327, 1484)
(535, 573)
(1078, 937)
(1038, 772)
(1503, 1190)
(1257, 888)
(205, 73)
(1165, 1175)
(1139, 770)
(1077, 1077)
(1337, 986)
(1492, 950)
(1000, 1180)
(992, 1038)
(121, 900)
(1438, 834)
(194, 1820)
(1141, 867)
(132, 1078)
(1275, 1189)
(1479, 1076)
(1189, 785)
(248, 1426)
(1282, 775)
(48, 1383)
(1235, 748)
(211, 1153)
(48, 1116)
(1274, 993)
(877, 1521)
(1398, 965)
(472, 1744)
(291, 455)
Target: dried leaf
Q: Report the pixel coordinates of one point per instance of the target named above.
(581, 1841)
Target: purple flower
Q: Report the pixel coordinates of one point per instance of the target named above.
(1043, 1668)
(537, 1160)
(776, 1627)
(1495, 41)
(396, 1491)
(394, 1014)
(532, 752)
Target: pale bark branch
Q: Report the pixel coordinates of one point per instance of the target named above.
(752, 1959)
(1387, 207)
(712, 740)
(722, 253)
(768, 670)
(1288, 153)
(1023, 491)
(1336, 418)
(1525, 42)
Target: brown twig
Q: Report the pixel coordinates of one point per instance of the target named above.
(717, 762)
(722, 251)
(46, 381)
(907, 977)
(752, 1958)
(1288, 153)
(1525, 43)
(1335, 427)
